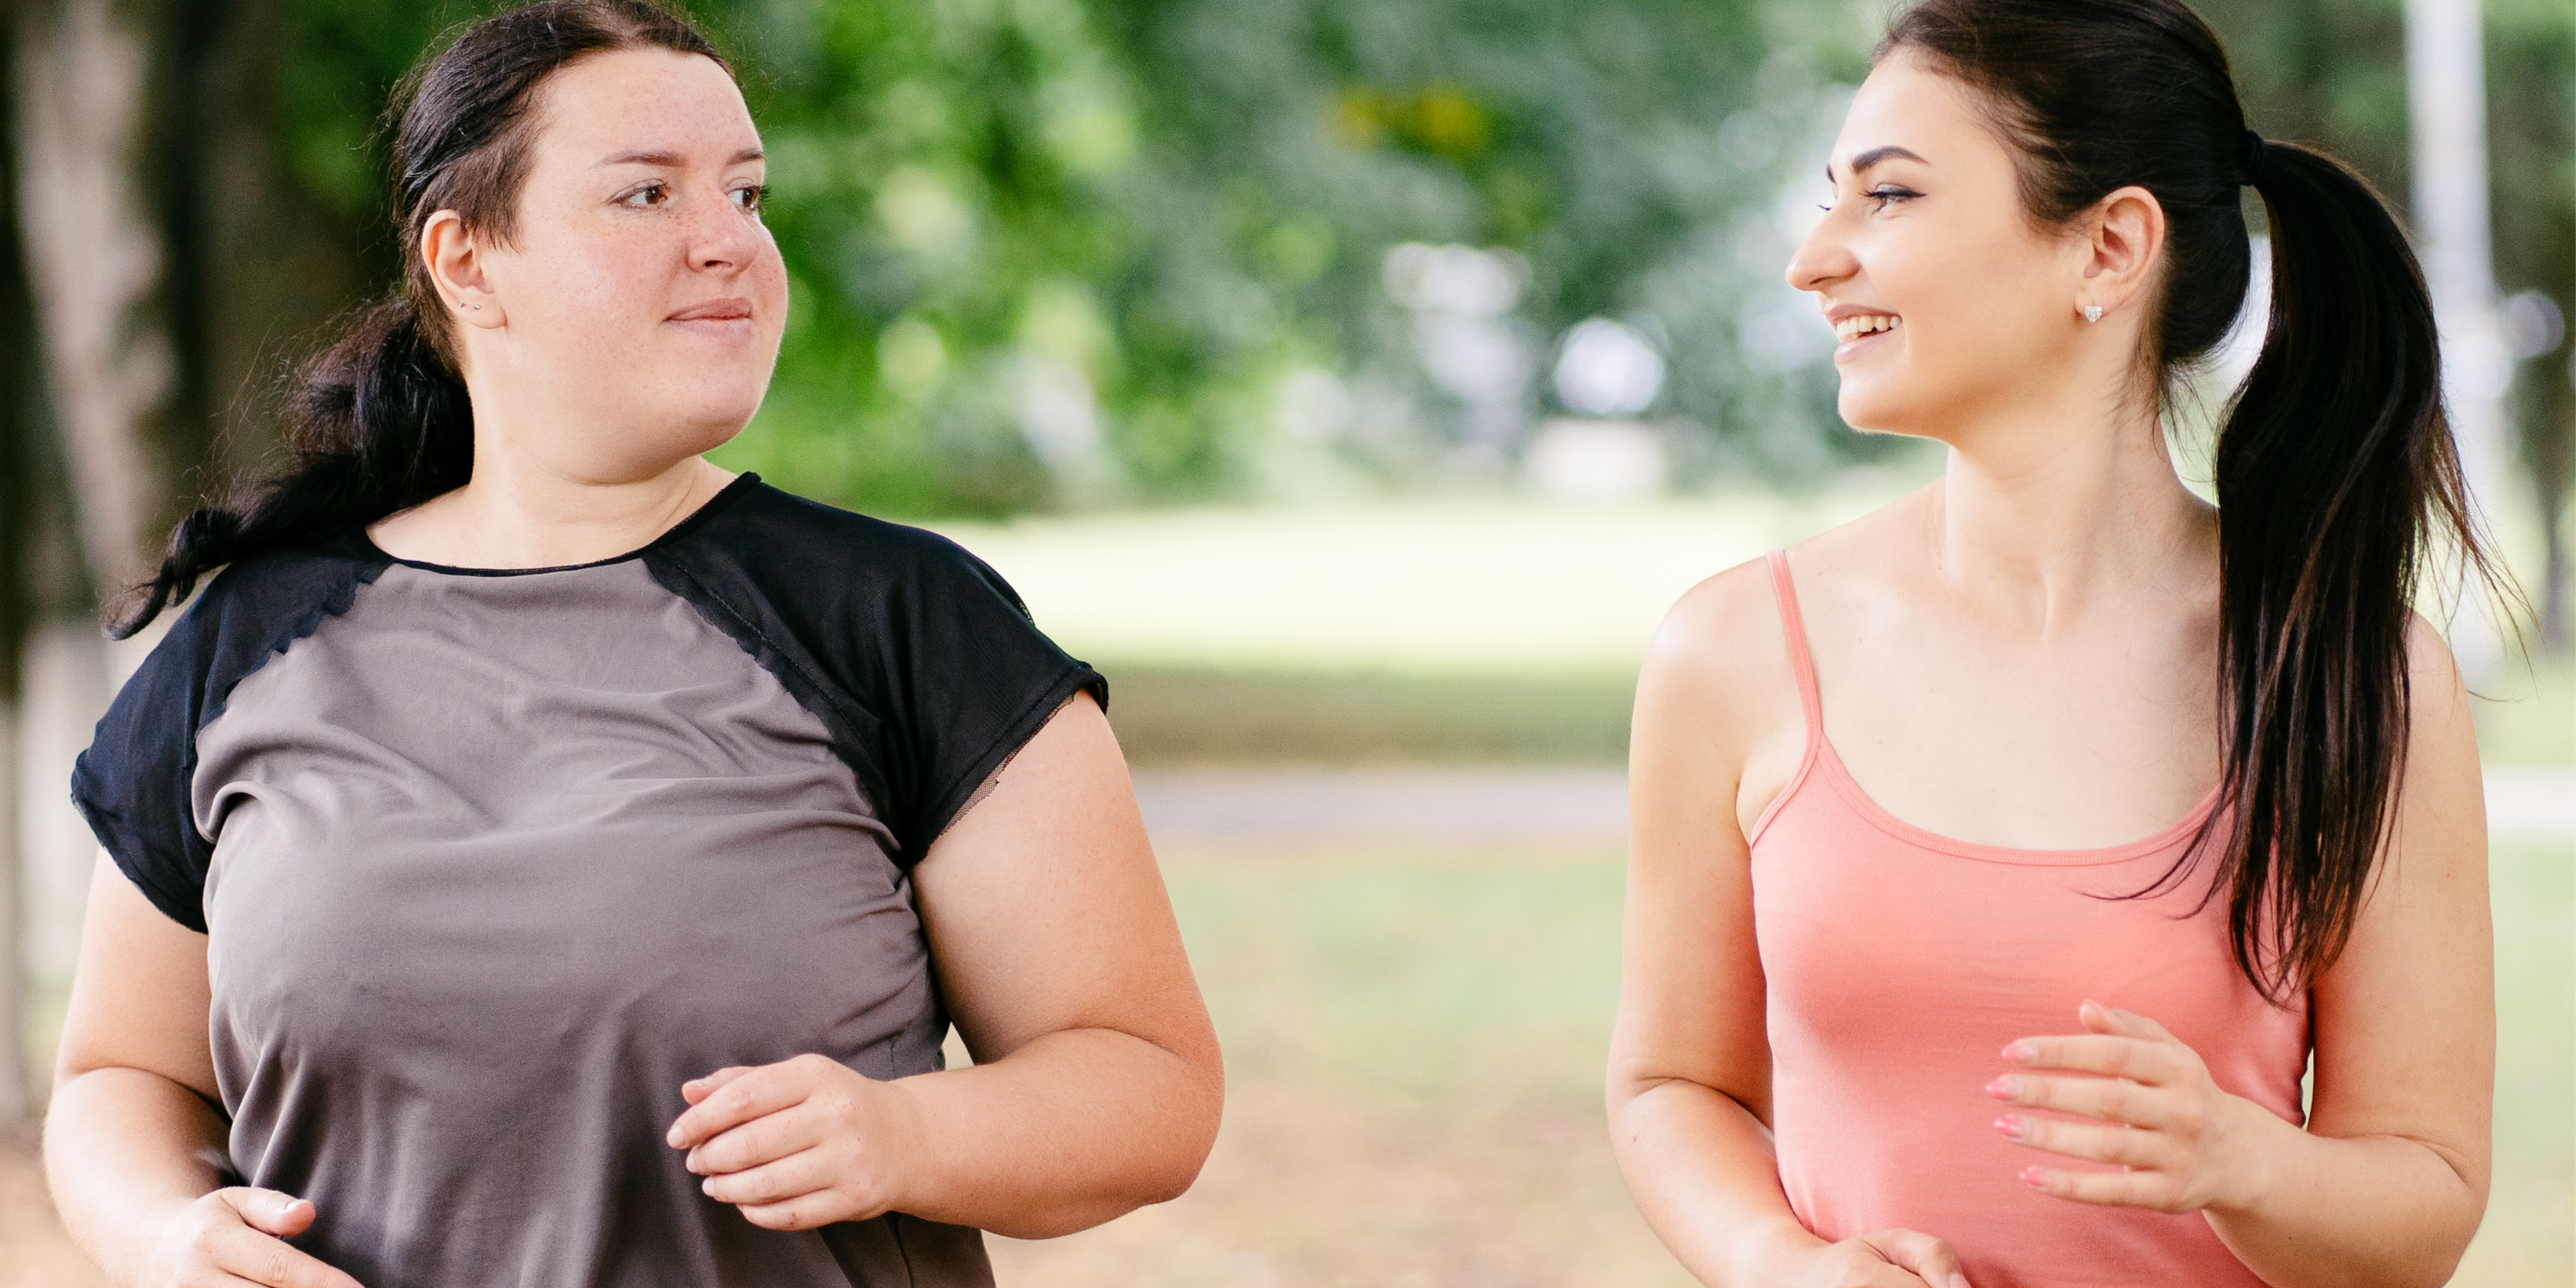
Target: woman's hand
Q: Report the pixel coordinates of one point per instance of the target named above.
(2181, 1143)
(1887, 1259)
(801, 1143)
(238, 1236)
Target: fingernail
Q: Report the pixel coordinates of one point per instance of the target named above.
(672, 1137)
(1958, 1281)
(2004, 1088)
(2020, 1052)
(2012, 1125)
(2033, 1176)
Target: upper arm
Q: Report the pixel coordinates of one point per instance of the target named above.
(2405, 1019)
(140, 998)
(1707, 721)
(1045, 910)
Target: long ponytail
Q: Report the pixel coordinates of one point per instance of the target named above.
(2336, 473)
(378, 420)
(374, 424)
(2337, 477)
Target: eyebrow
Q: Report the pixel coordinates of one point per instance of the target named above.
(1872, 157)
(651, 156)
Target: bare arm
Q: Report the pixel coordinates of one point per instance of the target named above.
(2388, 1181)
(1689, 1085)
(134, 1146)
(1097, 1085)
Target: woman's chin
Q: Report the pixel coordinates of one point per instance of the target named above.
(1872, 412)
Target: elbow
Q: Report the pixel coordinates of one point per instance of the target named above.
(1196, 1115)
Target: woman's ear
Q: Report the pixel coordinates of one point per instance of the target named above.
(455, 263)
(2123, 234)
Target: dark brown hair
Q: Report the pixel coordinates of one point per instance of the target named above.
(378, 420)
(2336, 472)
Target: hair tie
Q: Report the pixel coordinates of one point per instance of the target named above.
(2252, 159)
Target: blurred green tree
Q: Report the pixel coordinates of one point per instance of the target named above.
(1051, 252)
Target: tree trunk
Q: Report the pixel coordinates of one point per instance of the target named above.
(17, 406)
(94, 260)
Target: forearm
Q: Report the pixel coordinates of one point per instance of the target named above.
(2350, 1213)
(123, 1150)
(1070, 1130)
(1703, 1173)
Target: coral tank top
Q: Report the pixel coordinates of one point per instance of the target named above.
(1898, 963)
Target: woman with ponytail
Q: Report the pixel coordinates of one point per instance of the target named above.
(539, 857)
(2002, 860)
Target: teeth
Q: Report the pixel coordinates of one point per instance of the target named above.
(1854, 327)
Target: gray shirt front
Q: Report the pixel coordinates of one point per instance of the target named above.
(495, 863)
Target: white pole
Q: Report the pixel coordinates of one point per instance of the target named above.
(2446, 99)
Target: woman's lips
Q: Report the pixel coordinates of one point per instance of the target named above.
(725, 318)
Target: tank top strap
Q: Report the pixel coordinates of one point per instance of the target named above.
(1795, 632)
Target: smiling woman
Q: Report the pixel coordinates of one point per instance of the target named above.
(541, 857)
(2051, 788)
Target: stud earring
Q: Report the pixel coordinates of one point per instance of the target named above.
(2092, 312)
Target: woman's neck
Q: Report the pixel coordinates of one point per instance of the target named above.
(519, 513)
(2038, 523)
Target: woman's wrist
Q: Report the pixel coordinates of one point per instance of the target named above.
(914, 1178)
(2255, 1153)
(1770, 1251)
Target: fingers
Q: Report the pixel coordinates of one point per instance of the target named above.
(2106, 1019)
(804, 1212)
(772, 1183)
(2110, 1099)
(228, 1252)
(2104, 1189)
(759, 1141)
(1928, 1258)
(747, 1095)
(2137, 1059)
(268, 1211)
(2089, 1141)
(697, 1089)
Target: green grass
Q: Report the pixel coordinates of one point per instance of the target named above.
(1573, 715)
(2529, 717)
(1167, 715)
(1412, 975)
(2530, 1231)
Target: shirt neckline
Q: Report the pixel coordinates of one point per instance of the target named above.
(1870, 811)
(725, 497)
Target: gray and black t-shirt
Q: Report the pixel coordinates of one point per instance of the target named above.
(490, 863)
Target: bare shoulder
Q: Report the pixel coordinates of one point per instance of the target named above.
(1717, 625)
(1721, 658)
(2440, 730)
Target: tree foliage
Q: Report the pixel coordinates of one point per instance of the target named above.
(1057, 252)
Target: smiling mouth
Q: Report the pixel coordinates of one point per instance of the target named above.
(1866, 324)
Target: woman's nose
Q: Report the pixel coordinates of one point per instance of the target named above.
(1823, 258)
(722, 235)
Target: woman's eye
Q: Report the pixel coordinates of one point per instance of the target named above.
(651, 194)
(1890, 195)
(751, 199)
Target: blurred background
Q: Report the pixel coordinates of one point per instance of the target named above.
(1355, 381)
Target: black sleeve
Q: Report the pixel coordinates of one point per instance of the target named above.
(920, 659)
(134, 782)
